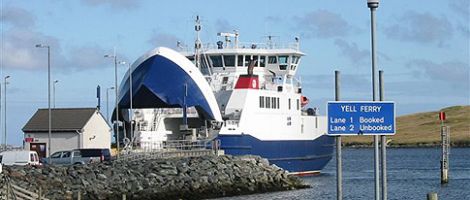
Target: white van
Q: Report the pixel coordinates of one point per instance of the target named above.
(19, 157)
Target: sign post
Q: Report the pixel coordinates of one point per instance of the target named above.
(362, 118)
(339, 165)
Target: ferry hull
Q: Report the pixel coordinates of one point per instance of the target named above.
(295, 156)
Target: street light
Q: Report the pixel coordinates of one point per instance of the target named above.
(48, 95)
(373, 5)
(117, 93)
(107, 103)
(130, 97)
(53, 92)
(5, 111)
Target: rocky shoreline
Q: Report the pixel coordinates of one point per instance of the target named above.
(172, 178)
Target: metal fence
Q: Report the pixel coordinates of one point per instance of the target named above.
(11, 191)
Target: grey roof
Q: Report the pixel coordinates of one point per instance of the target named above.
(63, 119)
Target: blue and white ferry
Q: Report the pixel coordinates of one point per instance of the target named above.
(250, 89)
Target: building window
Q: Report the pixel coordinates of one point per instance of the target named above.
(273, 103)
(278, 104)
(298, 104)
(261, 102)
(289, 104)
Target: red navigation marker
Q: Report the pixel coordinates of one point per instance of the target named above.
(442, 116)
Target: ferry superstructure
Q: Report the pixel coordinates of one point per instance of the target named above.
(262, 109)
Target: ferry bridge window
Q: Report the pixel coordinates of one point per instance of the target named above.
(247, 61)
(240, 61)
(289, 103)
(255, 58)
(262, 61)
(283, 62)
(216, 61)
(273, 103)
(298, 104)
(295, 59)
(261, 102)
(268, 102)
(278, 103)
(272, 60)
(229, 61)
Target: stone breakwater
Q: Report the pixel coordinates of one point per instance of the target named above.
(172, 178)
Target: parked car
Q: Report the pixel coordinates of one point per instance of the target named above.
(19, 157)
(78, 156)
(104, 154)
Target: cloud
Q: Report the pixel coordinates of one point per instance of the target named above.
(119, 4)
(323, 24)
(20, 52)
(164, 39)
(17, 17)
(222, 25)
(20, 39)
(351, 82)
(88, 57)
(462, 7)
(455, 73)
(352, 51)
(272, 19)
(420, 28)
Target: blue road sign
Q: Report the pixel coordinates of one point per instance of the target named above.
(361, 118)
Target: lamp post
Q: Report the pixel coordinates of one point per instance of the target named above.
(53, 92)
(117, 93)
(373, 5)
(5, 110)
(48, 96)
(130, 98)
(107, 102)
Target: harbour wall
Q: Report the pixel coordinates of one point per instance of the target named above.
(171, 178)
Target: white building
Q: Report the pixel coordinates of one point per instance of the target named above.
(71, 128)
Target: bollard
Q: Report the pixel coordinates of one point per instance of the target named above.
(123, 196)
(432, 196)
(79, 195)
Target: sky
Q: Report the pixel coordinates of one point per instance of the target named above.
(422, 47)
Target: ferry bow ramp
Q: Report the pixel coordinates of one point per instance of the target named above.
(163, 78)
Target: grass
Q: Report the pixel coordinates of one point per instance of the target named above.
(423, 129)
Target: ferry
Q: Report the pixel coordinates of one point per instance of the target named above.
(244, 95)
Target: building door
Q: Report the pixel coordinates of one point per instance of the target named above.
(40, 148)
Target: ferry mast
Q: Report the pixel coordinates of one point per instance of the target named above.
(197, 44)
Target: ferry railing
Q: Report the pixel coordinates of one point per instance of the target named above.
(232, 123)
(172, 148)
(256, 45)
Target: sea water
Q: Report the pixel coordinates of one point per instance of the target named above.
(411, 174)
